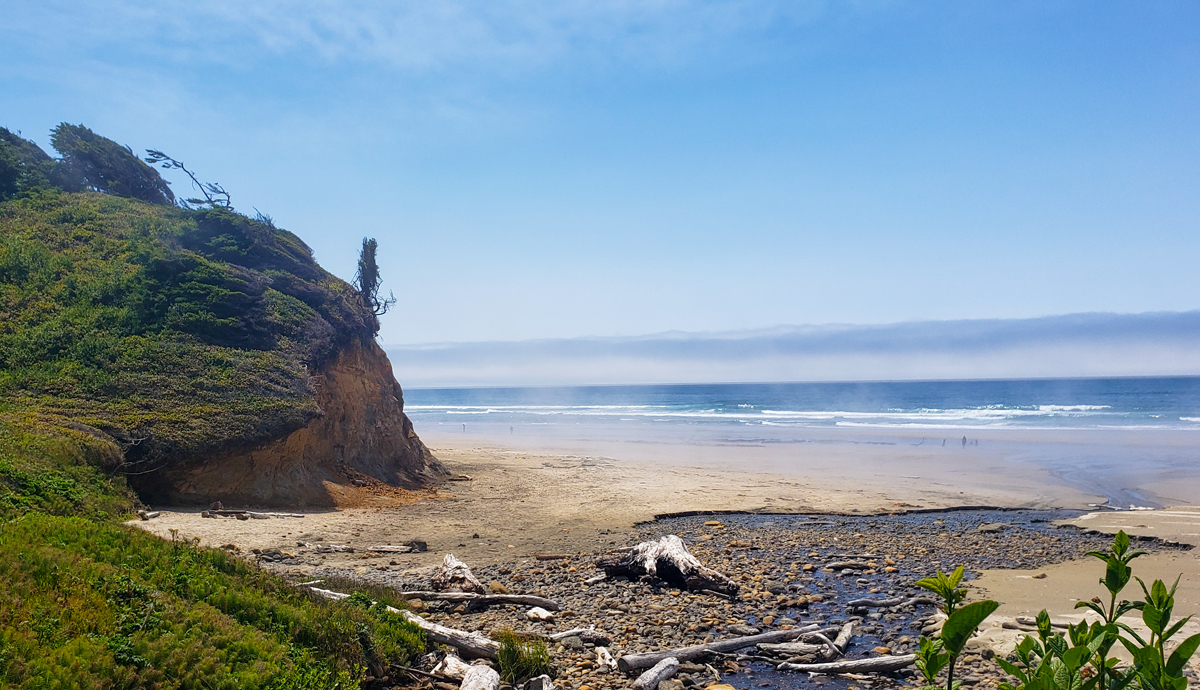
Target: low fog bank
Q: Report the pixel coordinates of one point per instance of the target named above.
(1151, 344)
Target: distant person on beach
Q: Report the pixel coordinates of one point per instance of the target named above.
(964, 438)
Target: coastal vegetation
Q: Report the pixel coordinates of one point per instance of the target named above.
(1080, 660)
(136, 332)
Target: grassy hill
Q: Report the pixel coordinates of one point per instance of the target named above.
(135, 334)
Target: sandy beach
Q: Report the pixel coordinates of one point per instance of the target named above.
(519, 503)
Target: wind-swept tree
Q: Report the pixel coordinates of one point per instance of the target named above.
(368, 281)
(23, 165)
(90, 161)
(214, 194)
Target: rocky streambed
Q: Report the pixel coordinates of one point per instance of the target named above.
(782, 564)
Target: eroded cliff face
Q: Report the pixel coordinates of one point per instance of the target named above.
(361, 436)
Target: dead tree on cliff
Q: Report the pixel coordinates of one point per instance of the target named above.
(215, 195)
(368, 281)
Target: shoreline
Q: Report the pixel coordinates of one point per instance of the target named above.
(521, 503)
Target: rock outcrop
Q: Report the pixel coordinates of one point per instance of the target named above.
(362, 436)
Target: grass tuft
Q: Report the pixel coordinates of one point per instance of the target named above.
(522, 657)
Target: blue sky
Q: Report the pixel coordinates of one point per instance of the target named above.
(612, 168)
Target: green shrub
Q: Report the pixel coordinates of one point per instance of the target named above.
(521, 657)
(89, 604)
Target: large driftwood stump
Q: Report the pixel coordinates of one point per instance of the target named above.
(455, 576)
(669, 560)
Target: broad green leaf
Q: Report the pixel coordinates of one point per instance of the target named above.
(1182, 653)
(1120, 543)
(956, 577)
(1062, 675)
(1090, 605)
(1153, 618)
(1076, 657)
(1116, 576)
(1012, 669)
(1056, 645)
(1126, 606)
(962, 623)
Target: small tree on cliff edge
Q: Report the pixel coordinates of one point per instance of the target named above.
(368, 281)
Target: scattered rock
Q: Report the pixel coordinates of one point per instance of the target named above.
(743, 630)
(993, 527)
(574, 643)
(537, 613)
(497, 588)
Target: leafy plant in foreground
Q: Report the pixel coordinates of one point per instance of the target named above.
(1081, 661)
(962, 621)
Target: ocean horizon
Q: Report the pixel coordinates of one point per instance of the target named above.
(1163, 403)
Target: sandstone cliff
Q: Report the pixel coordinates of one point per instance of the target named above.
(360, 434)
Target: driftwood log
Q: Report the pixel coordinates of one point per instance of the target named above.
(808, 645)
(897, 602)
(794, 650)
(669, 560)
(455, 576)
(879, 664)
(843, 639)
(472, 644)
(661, 671)
(388, 548)
(480, 677)
(485, 599)
(632, 662)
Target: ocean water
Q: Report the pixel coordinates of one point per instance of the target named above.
(934, 406)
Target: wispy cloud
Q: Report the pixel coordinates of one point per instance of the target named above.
(1062, 346)
(415, 35)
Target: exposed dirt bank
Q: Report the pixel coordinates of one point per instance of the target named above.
(361, 436)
